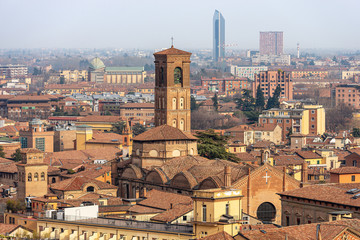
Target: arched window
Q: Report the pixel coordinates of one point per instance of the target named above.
(174, 103)
(29, 177)
(42, 176)
(36, 177)
(182, 103)
(53, 180)
(174, 123)
(90, 189)
(177, 75)
(354, 163)
(182, 125)
(266, 212)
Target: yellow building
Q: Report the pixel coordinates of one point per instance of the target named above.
(312, 158)
(299, 118)
(217, 210)
(74, 75)
(236, 148)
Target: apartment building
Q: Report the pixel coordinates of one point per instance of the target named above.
(247, 71)
(10, 71)
(224, 85)
(268, 81)
(297, 118)
(74, 75)
(348, 94)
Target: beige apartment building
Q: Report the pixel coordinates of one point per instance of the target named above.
(74, 75)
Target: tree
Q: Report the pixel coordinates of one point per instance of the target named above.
(274, 101)
(260, 99)
(215, 102)
(339, 117)
(356, 132)
(118, 127)
(2, 153)
(107, 113)
(15, 205)
(334, 59)
(16, 156)
(312, 63)
(138, 129)
(62, 80)
(212, 145)
(193, 105)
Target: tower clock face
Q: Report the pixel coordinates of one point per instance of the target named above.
(177, 75)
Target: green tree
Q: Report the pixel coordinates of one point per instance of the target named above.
(260, 99)
(118, 127)
(62, 80)
(215, 102)
(356, 132)
(16, 156)
(212, 145)
(2, 153)
(193, 105)
(138, 129)
(15, 205)
(107, 113)
(274, 101)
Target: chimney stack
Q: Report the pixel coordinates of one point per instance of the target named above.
(227, 176)
(304, 173)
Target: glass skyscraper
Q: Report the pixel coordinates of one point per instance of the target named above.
(218, 36)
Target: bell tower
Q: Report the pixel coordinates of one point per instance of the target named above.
(172, 88)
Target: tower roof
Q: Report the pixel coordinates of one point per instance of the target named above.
(96, 63)
(172, 51)
(163, 133)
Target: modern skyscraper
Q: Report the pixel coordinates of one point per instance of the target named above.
(271, 43)
(219, 36)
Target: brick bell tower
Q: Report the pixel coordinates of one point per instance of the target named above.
(172, 88)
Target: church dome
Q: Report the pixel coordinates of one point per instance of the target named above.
(96, 63)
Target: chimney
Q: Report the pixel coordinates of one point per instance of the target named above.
(227, 180)
(144, 192)
(304, 174)
(284, 179)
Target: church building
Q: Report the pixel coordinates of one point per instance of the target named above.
(166, 157)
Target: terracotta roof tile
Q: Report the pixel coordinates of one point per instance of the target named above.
(172, 51)
(308, 154)
(173, 213)
(334, 193)
(76, 183)
(7, 228)
(163, 133)
(345, 170)
(218, 236)
(285, 160)
(110, 119)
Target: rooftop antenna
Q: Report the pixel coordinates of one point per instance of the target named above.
(298, 50)
(172, 41)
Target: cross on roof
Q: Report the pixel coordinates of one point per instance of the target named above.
(266, 177)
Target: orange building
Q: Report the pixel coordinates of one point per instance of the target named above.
(268, 81)
(349, 95)
(345, 175)
(37, 137)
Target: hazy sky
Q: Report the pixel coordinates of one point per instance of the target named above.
(149, 24)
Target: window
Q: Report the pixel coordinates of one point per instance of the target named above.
(353, 178)
(40, 143)
(298, 221)
(287, 221)
(29, 177)
(42, 176)
(184, 218)
(204, 213)
(313, 126)
(90, 189)
(334, 218)
(182, 103)
(174, 103)
(177, 76)
(266, 212)
(354, 163)
(36, 177)
(312, 111)
(24, 143)
(312, 119)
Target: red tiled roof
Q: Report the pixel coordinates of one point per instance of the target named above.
(172, 51)
(285, 160)
(110, 119)
(308, 154)
(173, 213)
(345, 170)
(76, 183)
(163, 133)
(218, 236)
(6, 229)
